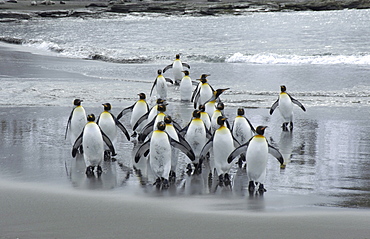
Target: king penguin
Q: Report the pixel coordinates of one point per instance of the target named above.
(160, 84)
(92, 140)
(210, 104)
(186, 87)
(173, 133)
(217, 113)
(177, 68)
(205, 116)
(159, 147)
(203, 92)
(149, 116)
(257, 150)
(138, 109)
(285, 102)
(223, 144)
(108, 124)
(242, 128)
(76, 121)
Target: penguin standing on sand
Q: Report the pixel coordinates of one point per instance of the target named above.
(285, 103)
(177, 68)
(186, 87)
(159, 150)
(257, 150)
(92, 140)
(108, 124)
(76, 121)
(223, 144)
(138, 109)
(160, 84)
(203, 92)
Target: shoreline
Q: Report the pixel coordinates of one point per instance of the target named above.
(11, 10)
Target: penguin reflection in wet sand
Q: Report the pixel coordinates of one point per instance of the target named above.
(160, 84)
(177, 68)
(108, 124)
(138, 109)
(257, 150)
(223, 144)
(159, 149)
(76, 121)
(92, 140)
(285, 103)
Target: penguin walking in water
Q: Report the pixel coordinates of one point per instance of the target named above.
(160, 84)
(137, 110)
(285, 103)
(223, 144)
(177, 67)
(109, 124)
(76, 121)
(242, 130)
(257, 150)
(203, 92)
(92, 140)
(186, 87)
(159, 149)
(196, 135)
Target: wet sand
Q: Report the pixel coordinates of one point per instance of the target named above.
(42, 209)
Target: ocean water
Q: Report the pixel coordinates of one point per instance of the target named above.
(322, 57)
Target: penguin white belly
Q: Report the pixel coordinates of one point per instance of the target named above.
(186, 88)
(257, 154)
(153, 112)
(223, 145)
(206, 119)
(177, 70)
(286, 107)
(171, 131)
(196, 137)
(205, 94)
(214, 124)
(108, 126)
(210, 107)
(160, 154)
(93, 145)
(161, 87)
(242, 132)
(139, 110)
(78, 122)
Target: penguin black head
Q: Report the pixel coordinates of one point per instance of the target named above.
(77, 102)
(240, 111)
(107, 106)
(261, 130)
(161, 101)
(282, 88)
(186, 72)
(91, 118)
(220, 106)
(142, 96)
(218, 92)
(221, 120)
(159, 72)
(177, 56)
(168, 119)
(161, 108)
(161, 126)
(202, 108)
(203, 78)
(196, 114)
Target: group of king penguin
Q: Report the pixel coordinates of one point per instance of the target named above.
(208, 137)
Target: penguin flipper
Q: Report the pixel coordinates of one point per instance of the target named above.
(297, 103)
(121, 127)
(250, 125)
(142, 150)
(155, 82)
(68, 123)
(184, 146)
(77, 145)
(195, 92)
(239, 150)
(206, 148)
(176, 125)
(125, 111)
(169, 80)
(185, 65)
(196, 100)
(109, 143)
(167, 68)
(146, 130)
(274, 105)
(274, 152)
(140, 120)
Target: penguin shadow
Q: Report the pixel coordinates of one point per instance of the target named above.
(286, 146)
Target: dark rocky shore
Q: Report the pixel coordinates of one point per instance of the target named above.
(25, 9)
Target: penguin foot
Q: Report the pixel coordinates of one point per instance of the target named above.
(251, 187)
(198, 168)
(158, 183)
(172, 177)
(189, 169)
(227, 180)
(261, 189)
(165, 184)
(99, 170)
(90, 171)
(107, 155)
(221, 180)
